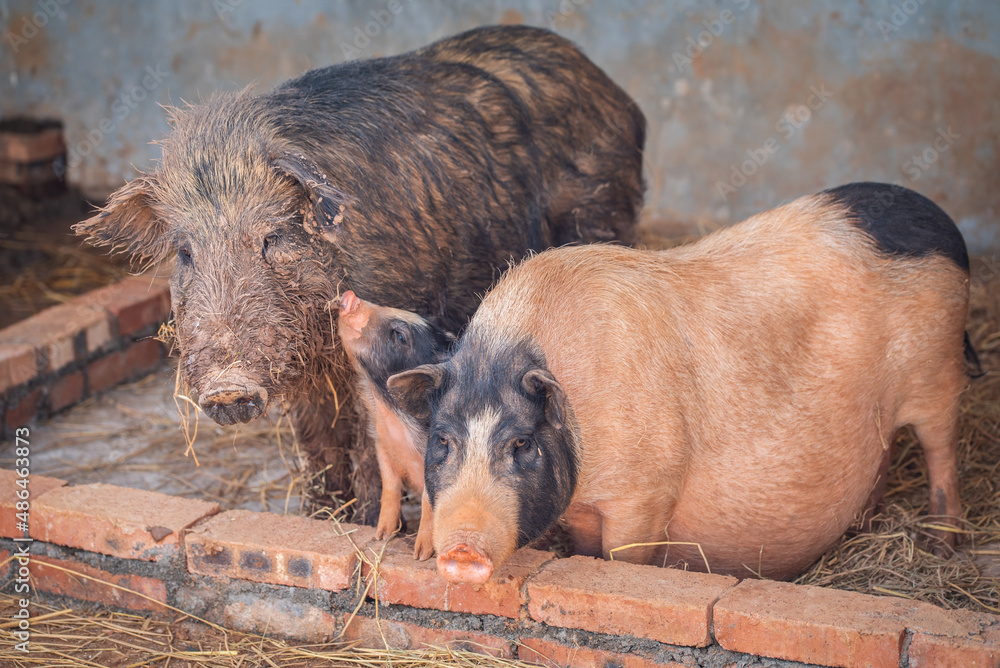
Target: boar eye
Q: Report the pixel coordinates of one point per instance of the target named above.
(184, 253)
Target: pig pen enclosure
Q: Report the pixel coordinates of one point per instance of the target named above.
(162, 538)
(142, 435)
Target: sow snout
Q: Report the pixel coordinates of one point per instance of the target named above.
(473, 535)
(466, 561)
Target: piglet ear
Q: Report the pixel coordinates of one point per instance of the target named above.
(325, 208)
(538, 382)
(128, 223)
(411, 390)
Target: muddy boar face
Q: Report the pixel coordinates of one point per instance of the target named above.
(501, 461)
(245, 216)
(384, 341)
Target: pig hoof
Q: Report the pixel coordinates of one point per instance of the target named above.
(464, 564)
(423, 548)
(942, 544)
(382, 532)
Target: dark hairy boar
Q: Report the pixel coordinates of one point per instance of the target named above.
(411, 180)
(739, 393)
(381, 342)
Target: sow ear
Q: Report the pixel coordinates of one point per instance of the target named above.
(127, 222)
(411, 389)
(325, 211)
(538, 381)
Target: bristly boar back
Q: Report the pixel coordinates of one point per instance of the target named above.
(411, 180)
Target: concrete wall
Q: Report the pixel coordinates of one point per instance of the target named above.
(750, 103)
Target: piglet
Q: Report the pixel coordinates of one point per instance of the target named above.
(380, 342)
(728, 405)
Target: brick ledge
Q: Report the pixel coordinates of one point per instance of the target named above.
(318, 580)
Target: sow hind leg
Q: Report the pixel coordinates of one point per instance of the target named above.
(938, 436)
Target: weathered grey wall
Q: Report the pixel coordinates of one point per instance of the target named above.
(750, 103)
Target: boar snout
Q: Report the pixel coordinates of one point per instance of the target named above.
(229, 402)
(465, 563)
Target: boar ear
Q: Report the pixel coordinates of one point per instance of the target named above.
(127, 222)
(538, 381)
(326, 205)
(411, 390)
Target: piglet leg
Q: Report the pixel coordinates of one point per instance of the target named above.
(424, 546)
(392, 495)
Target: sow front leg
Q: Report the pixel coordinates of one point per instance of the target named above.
(634, 531)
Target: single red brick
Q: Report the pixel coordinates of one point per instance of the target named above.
(17, 365)
(53, 331)
(87, 583)
(928, 650)
(66, 391)
(9, 487)
(952, 637)
(136, 302)
(810, 624)
(381, 633)
(29, 147)
(106, 372)
(21, 412)
(142, 356)
(121, 522)
(558, 655)
(278, 549)
(404, 580)
(253, 613)
(615, 597)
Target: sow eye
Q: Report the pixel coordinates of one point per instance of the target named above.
(438, 449)
(270, 241)
(526, 452)
(184, 255)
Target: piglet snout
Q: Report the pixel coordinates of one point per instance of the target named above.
(465, 564)
(354, 316)
(349, 302)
